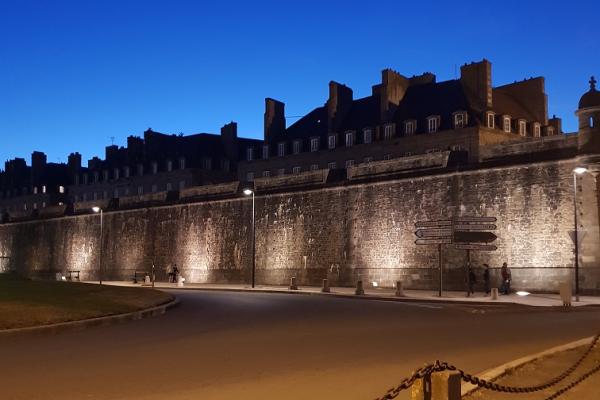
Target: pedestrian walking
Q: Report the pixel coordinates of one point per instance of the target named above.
(472, 281)
(175, 273)
(486, 279)
(506, 277)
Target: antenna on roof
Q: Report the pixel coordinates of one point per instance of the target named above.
(112, 140)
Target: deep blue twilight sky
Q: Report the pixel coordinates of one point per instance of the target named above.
(73, 74)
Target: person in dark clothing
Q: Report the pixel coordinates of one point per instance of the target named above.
(175, 273)
(505, 273)
(472, 281)
(486, 279)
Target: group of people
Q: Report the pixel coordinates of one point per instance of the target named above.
(504, 274)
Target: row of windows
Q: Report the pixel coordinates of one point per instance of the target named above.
(126, 192)
(460, 120)
(520, 126)
(25, 191)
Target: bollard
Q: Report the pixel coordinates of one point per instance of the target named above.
(566, 293)
(325, 288)
(443, 385)
(399, 289)
(293, 285)
(359, 288)
(494, 293)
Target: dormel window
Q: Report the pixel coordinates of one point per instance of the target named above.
(522, 127)
(266, 173)
(43, 189)
(281, 171)
(490, 116)
(433, 123)
(249, 154)
(117, 173)
(169, 165)
(296, 170)
(296, 146)
(182, 163)
(61, 189)
(331, 142)
(506, 124)
(332, 165)
(367, 136)
(314, 167)
(349, 139)
(281, 149)
(265, 154)
(35, 190)
(388, 131)
(314, 144)
(537, 129)
(154, 167)
(349, 163)
(410, 127)
(460, 120)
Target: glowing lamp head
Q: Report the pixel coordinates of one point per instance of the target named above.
(248, 192)
(96, 209)
(580, 170)
(522, 293)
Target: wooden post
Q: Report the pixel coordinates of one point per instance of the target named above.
(359, 288)
(439, 386)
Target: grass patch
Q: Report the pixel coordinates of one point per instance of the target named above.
(25, 303)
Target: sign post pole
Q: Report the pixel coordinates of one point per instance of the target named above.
(441, 272)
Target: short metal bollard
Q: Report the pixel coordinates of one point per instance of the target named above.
(293, 285)
(443, 385)
(399, 289)
(359, 288)
(325, 288)
(494, 293)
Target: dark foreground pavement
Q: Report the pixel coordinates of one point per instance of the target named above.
(225, 345)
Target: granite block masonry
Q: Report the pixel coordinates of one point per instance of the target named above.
(345, 233)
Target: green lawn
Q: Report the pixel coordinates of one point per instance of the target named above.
(26, 303)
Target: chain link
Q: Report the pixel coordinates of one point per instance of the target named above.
(439, 366)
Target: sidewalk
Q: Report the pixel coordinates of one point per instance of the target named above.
(535, 300)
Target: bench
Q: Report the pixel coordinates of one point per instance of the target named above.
(73, 274)
(137, 275)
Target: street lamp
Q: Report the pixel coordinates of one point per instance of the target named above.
(576, 171)
(249, 192)
(97, 209)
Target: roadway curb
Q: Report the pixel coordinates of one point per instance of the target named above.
(93, 322)
(361, 297)
(498, 372)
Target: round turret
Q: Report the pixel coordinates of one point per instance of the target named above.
(591, 98)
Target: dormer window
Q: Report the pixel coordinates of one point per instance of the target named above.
(537, 129)
(491, 120)
(265, 152)
(155, 167)
(433, 123)
(314, 144)
(281, 149)
(35, 190)
(331, 141)
(296, 147)
(140, 169)
(61, 189)
(182, 163)
(506, 124)
(117, 173)
(43, 189)
(460, 119)
(349, 139)
(249, 154)
(126, 172)
(169, 165)
(388, 131)
(522, 127)
(367, 135)
(410, 127)
(550, 131)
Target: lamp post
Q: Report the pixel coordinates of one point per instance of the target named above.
(249, 192)
(99, 210)
(576, 171)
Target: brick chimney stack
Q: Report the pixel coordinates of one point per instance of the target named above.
(476, 79)
(338, 105)
(274, 119)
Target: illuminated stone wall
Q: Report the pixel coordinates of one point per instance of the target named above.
(344, 233)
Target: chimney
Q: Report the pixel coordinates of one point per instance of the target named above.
(74, 161)
(476, 80)
(38, 164)
(274, 119)
(338, 105)
(392, 90)
(111, 152)
(229, 140)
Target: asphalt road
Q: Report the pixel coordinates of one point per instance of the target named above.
(224, 345)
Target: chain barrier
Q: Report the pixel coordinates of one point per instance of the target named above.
(439, 366)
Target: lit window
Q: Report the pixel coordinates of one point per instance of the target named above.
(250, 176)
(409, 128)
(349, 163)
(169, 165)
(249, 154)
(433, 123)
(44, 204)
(537, 129)
(35, 206)
(349, 139)
(491, 120)
(281, 171)
(44, 189)
(25, 206)
(332, 165)
(60, 203)
(265, 152)
(314, 144)
(296, 147)
(506, 124)
(522, 128)
(266, 173)
(35, 190)
(182, 163)
(154, 188)
(154, 167)
(460, 120)
(61, 189)
(331, 142)
(591, 122)
(368, 160)
(367, 136)
(388, 131)
(281, 149)
(314, 167)
(296, 170)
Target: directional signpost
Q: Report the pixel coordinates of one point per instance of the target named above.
(466, 233)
